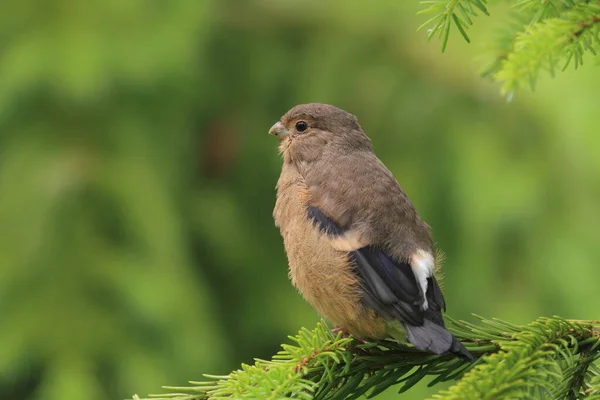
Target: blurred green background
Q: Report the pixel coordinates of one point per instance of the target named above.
(137, 247)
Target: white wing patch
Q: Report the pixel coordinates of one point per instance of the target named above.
(423, 265)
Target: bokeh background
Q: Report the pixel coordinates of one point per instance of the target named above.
(137, 247)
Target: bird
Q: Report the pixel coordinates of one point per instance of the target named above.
(357, 249)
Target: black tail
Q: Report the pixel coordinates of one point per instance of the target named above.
(436, 339)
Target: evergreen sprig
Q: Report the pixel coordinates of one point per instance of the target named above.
(457, 12)
(547, 44)
(551, 357)
(541, 36)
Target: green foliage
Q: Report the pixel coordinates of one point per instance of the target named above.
(593, 391)
(550, 357)
(95, 267)
(457, 12)
(548, 35)
(549, 42)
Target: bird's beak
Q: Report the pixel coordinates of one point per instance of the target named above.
(279, 130)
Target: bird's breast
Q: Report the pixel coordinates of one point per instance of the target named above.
(323, 275)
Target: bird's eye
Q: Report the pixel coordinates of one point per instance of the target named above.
(301, 126)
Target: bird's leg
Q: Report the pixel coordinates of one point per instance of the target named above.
(339, 329)
(345, 334)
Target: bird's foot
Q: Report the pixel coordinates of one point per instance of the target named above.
(345, 334)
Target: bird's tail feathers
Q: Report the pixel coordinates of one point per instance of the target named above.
(436, 339)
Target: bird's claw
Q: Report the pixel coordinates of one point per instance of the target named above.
(345, 334)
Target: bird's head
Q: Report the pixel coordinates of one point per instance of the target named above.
(305, 130)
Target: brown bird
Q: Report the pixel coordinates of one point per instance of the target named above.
(358, 251)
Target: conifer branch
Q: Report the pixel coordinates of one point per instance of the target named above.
(554, 356)
(543, 36)
(578, 380)
(449, 12)
(544, 45)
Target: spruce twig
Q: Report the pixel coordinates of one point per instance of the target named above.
(543, 36)
(551, 355)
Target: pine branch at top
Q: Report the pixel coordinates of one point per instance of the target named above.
(551, 44)
(551, 355)
(541, 35)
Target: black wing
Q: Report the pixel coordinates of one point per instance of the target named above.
(390, 288)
